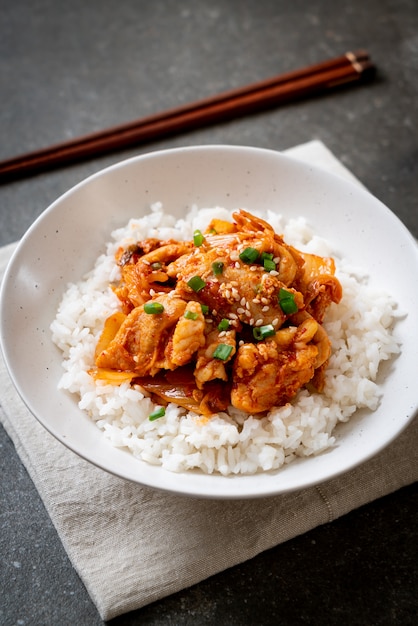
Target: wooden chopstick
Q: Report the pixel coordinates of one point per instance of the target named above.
(309, 81)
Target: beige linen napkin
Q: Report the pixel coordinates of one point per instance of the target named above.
(132, 545)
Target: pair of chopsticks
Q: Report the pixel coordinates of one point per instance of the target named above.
(313, 80)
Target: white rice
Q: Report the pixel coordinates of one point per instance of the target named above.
(360, 329)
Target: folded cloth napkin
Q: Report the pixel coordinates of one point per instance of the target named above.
(128, 543)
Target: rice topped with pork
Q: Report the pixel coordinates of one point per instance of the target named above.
(223, 342)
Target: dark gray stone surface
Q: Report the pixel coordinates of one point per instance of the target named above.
(71, 68)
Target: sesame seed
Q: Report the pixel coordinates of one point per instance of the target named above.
(256, 301)
(227, 294)
(237, 265)
(145, 262)
(253, 268)
(276, 259)
(234, 256)
(259, 322)
(241, 342)
(243, 301)
(234, 283)
(240, 311)
(222, 333)
(264, 300)
(247, 313)
(265, 308)
(275, 321)
(251, 321)
(232, 316)
(247, 305)
(274, 273)
(214, 312)
(152, 292)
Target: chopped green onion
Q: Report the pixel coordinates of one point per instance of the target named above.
(223, 324)
(269, 265)
(156, 266)
(153, 308)
(196, 283)
(205, 308)
(222, 351)
(217, 267)
(267, 261)
(160, 412)
(198, 238)
(249, 255)
(287, 302)
(261, 332)
(190, 315)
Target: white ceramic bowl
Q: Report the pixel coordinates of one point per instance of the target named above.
(67, 238)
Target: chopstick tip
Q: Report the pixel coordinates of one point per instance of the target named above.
(356, 56)
(361, 62)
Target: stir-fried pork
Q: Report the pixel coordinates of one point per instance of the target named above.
(235, 314)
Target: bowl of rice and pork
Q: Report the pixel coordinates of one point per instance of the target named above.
(215, 321)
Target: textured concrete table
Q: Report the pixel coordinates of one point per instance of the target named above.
(71, 68)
